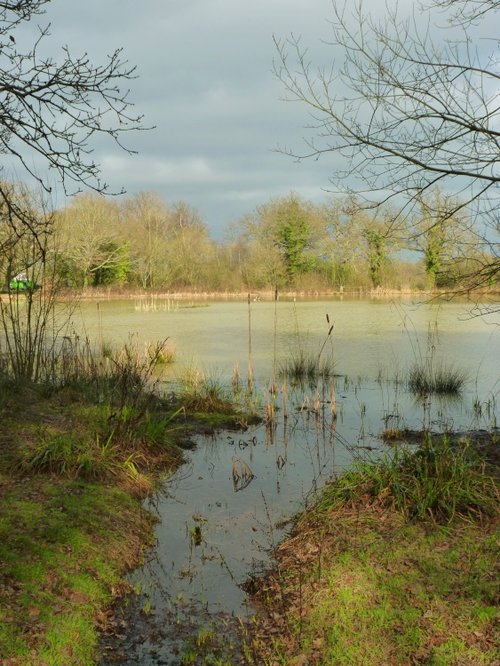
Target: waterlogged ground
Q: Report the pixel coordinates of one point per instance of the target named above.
(228, 506)
(224, 510)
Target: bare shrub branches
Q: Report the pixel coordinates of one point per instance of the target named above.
(403, 112)
(54, 108)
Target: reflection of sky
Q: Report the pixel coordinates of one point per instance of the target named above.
(188, 584)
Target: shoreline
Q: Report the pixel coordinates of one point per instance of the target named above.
(285, 294)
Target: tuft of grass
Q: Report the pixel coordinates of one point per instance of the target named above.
(303, 367)
(72, 456)
(437, 378)
(439, 481)
(202, 393)
(160, 352)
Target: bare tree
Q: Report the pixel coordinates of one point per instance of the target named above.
(51, 109)
(465, 12)
(405, 112)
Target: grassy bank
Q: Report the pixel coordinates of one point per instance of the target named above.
(75, 462)
(396, 564)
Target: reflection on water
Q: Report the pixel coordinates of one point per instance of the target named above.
(223, 511)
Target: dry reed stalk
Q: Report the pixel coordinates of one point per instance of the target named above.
(275, 334)
(236, 380)
(333, 399)
(250, 370)
(316, 403)
(270, 413)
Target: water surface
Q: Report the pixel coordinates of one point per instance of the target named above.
(212, 533)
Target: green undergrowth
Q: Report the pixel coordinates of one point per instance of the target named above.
(75, 464)
(440, 480)
(64, 545)
(364, 580)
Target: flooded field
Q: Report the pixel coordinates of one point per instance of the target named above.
(224, 510)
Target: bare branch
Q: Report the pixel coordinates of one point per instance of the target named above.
(403, 113)
(54, 109)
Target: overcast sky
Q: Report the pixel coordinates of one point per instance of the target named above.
(205, 82)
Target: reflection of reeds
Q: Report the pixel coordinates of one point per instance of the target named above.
(284, 396)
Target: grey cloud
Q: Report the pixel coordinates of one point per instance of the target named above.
(205, 81)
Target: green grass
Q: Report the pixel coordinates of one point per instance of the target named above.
(63, 546)
(75, 460)
(437, 378)
(369, 580)
(302, 367)
(438, 481)
(386, 596)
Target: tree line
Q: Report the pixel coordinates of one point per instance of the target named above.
(140, 241)
(412, 112)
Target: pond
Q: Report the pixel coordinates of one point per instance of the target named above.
(223, 511)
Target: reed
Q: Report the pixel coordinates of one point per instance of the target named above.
(250, 368)
(303, 367)
(333, 398)
(307, 366)
(236, 379)
(275, 336)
